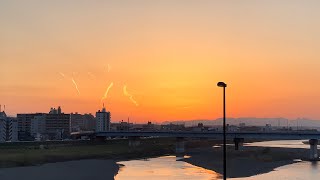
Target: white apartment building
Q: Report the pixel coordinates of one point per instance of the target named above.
(102, 120)
(8, 128)
(38, 126)
(12, 129)
(3, 127)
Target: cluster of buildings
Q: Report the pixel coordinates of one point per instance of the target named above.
(199, 127)
(43, 126)
(149, 126)
(54, 125)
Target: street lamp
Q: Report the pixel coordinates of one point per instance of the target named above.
(224, 85)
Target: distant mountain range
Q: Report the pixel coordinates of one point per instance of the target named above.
(252, 121)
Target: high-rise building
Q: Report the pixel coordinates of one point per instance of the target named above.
(38, 127)
(57, 124)
(24, 125)
(8, 128)
(12, 129)
(3, 120)
(103, 120)
(82, 122)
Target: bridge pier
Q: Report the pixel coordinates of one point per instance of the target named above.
(238, 143)
(99, 138)
(134, 141)
(313, 149)
(180, 145)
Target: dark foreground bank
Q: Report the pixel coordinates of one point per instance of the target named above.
(71, 170)
(248, 162)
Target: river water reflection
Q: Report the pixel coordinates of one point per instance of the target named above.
(168, 167)
(283, 144)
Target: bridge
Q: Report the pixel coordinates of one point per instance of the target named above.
(237, 137)
(214, 135)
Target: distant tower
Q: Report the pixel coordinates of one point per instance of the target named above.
(59, 110)
(103, 120)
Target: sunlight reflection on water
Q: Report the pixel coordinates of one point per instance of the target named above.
(167, 167)
(281, 143)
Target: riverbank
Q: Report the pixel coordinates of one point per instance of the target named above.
(245, 163)
(248, 162)
(37, 153)
(71, 170)
(30, 154)
(81, 160)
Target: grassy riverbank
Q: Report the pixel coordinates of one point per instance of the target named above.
(35, 153)
(25, 154)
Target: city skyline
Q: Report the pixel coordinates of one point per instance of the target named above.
(161, 61)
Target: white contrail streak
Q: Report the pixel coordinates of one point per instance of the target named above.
(107, 91)
(107, 68)
(75, 85)
(129, 95)
(91, 76)
(135, 102)
(62, 74)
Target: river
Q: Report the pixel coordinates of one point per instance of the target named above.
(169, 167)
(166, 167)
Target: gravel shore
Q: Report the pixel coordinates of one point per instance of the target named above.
(245, 163)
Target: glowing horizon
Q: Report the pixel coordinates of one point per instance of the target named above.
(169, 54)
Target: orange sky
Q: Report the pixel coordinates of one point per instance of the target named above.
(170, 55)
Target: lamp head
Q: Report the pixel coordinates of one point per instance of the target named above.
(221, 84)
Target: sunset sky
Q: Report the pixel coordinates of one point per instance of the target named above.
(169, 54)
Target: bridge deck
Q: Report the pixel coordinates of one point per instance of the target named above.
(214, 135)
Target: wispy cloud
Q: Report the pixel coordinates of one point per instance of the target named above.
(129, 95)
(107, 68)
(107, 92)
(75, 85)
(62, 74)
(91, 76)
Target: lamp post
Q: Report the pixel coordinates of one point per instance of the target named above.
(224, 85)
